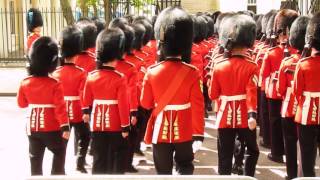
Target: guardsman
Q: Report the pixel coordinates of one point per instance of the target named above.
(87, 58)
(238, 98)
(263, 103)
(307, 91)
(270, 74)
(47, 126)
(131, 73)
(106, 91)
(34, 25)
(177, 116)
(285, 88)
(72, 79)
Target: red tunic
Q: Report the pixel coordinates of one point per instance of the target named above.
(234, 84)
(72, 79)
(44, 97)
(151, 49)
(31, 38)
(183, 117)
(86, 60)
(106, 91)
(307, 91)
(285, 83)
(131, 73)
(259, 60)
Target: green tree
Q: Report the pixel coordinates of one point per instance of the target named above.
(67, 11)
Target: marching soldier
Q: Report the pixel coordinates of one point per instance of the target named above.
(178, 109)
(289, 103)
(237, 98)
(307, 91)
(106, 91)
(131, 73)
(270, 74)
(34, 25)
(86, 59)
(72, 79)
(48, 125)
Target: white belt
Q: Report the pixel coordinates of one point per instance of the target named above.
(105, 102)
(177, 107)
(285, 103)
(311, 94)
(233, 98)
(71, 98)
(42, 105)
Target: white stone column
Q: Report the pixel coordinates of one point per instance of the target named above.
(233, 5)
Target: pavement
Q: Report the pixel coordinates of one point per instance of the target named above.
(14, 161)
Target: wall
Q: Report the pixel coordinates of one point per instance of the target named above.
(194, 6)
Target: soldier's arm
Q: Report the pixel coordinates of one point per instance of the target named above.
(87, 97)
(21, 99)
(60, 108)
(214, 88)
(282, 82)
(298, 84)
(251, 93)
(197, 110)
(146, 98)
(123, 104)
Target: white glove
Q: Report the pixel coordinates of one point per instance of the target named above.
(196, 146)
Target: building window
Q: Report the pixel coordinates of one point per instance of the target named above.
(252, 2)
(12, 18)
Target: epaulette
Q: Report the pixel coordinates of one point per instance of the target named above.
(90, 54)
(53, 78)
(288, 58)
(222, 60)
(189, 65)
(138, 58)
(59, 67)
(119, 73)
(131, 64)
(92, 72)
(272, 48)
(155, 65)
(80, 68)
(305, 59)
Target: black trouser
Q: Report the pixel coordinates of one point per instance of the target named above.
(289, 130)
(277, 146)
(132, 143)
(239, 150)
(226, 139)
(207, 100)
(264, 118)
(143, 117)
(109, 149)
(308, 137)
(38, 142)
(258, 106)
(183, 156)
(82, 139)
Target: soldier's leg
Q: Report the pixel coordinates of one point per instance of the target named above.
(264, 119)
(99, 152)
(290, 146)
(239, 150)
(132, 141)
(163, 158)
(56, 144)
(226, 138)
(252, 153)
(36, 152)
(308, 146)
(118, 148)
(277, 146)
(83, 133)
(184, 157)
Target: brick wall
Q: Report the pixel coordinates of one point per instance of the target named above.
(194, 6)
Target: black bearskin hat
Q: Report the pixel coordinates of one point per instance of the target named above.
(313, 31)
(238, 31)
(258, 20)
(265, 20)
(118, 23)
(110, 45)
(89, 31)
(220, 18)
(215, 15)
(283, 20)
(153, 21)
(298, 32)
(43, 56)
(210, 26)
(100, 24)
(270, 25)
(200, 29)
(147, 25)
(129, 18)
(71, 41)
(249, 13)
(139, 31)
(34, 19)
(174, 30)
(129, 35)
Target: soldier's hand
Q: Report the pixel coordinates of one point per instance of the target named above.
(66, 135)
(125, 134)
(196, 146)
(134, 120)
(252, 123)
(86, 118)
